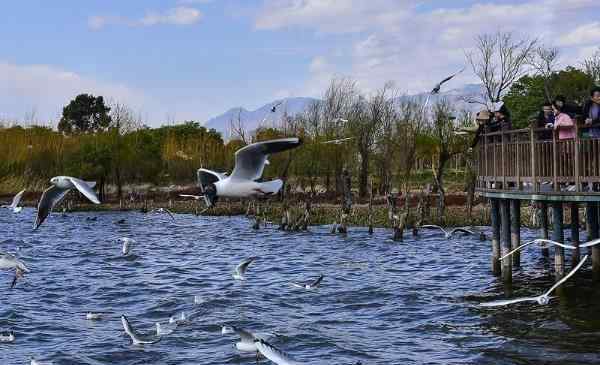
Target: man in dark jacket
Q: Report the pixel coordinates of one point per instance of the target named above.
(545, 119)
(591, 113)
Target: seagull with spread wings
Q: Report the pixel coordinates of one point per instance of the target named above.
(250, 162)
(61, 185)
(14, 206)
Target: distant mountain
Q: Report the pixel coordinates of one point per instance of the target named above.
(252, 119)
(261, 117)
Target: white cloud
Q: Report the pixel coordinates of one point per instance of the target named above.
(181, 15)
(583, 35)
(403, 41)
(46, 89)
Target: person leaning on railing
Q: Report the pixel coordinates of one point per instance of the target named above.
(591, 113)
(545, 119)
(563, 122)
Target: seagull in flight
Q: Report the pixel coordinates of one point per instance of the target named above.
(61, 185)
(542, 299)
(250, 162)
(127, 245)
(163, 211)
(247, 338)
(273, 353)
(14, 206)
(337, 141)
(136, 338)
(240, 270)
(9, 261)
(310, 284)
(438, 87)
(545, 241)
(448, 234)
(274, 107)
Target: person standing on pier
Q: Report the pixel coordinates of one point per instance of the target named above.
(545, 119)
(563, 122)
(591, 113)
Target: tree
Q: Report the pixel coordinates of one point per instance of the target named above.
(544, 61)
(84, 114)
(499, 60)
(592, 66)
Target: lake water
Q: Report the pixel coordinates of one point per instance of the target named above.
(381, 302)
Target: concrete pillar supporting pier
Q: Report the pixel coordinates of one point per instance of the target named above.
(575, 233)
(544, 224)
(515, 230)
(495, 220)
(558, 236)
(505, 239)
(591, 211)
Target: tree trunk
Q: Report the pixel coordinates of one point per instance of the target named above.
(363, 175)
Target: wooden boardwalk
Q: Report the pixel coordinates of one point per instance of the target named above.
(534, 165)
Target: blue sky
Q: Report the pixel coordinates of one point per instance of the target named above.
(172, 60)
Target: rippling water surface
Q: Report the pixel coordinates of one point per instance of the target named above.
(381, 302)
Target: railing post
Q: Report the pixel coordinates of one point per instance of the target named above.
(533, 167)
(503, 152)
(576, 157)
(555, 161)
(518, 157)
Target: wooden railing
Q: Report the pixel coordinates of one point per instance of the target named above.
(522, 160)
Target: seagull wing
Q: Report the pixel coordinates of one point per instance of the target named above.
(197, 197)
(17, 199)
(542, 240)
(433, 226)
(590, 243)
(500, 303)
(243, 266)
(317, 281)
(573, 271)
(245, 336)
(170, 214)
(250, 160)
(207, 177)
(50, 197)
(136, 338)
(85, 189)
(273, 353)
(461, 230)
(517, 249)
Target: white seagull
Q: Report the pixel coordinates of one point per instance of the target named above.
(311, 284)
(165, 329)
(9, 261)
(448, 234)
(61, 185)
(273, 353)
(240, 270)
(540, 299)
(91, 316)
(35, 362)
(7, 337)
(247, 338)
(136, 338)
(127, 244)
(14, 206)
(545, 241)
(162, 211)
(250, 162)
(337, 141)
(195, 197)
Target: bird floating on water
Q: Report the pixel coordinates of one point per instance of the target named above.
(240, 270)
(448, 234)
(14, 205)
(136, 338)
(7, 337)
(91, 316)
(273, 353)
(250, 162)
(545, 241)
(310, 284)
(542, 299)
(61, 185)
(10, 261)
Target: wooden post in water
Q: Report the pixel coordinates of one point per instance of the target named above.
(558, 236)
(592, 225)
(544, 224)
(505, 239)
(495, 220)
(575, 233)
(515, 230)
